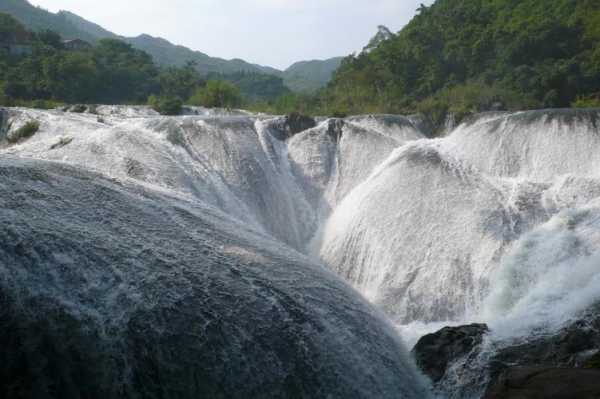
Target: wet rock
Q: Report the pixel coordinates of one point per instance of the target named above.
(62, 141)
(434, 353)
(76, 108)
(546, 383)
(570, 347)
(288, 126)
(335, 129)
(296, 123)
(112, 290)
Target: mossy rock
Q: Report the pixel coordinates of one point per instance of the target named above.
(24, 132)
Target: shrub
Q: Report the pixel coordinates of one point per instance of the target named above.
(166, 105)
(587, 102)
(217, 93)
(338, 114)
(24, 132)
(464, 100)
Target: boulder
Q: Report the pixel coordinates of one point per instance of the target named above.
(285, 127)
(546, 383)
(569, 347)
(296, 123)
(434, 353)
(110, 289)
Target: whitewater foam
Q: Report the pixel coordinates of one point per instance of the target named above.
(497, 222)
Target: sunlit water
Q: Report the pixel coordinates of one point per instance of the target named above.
(499, 222)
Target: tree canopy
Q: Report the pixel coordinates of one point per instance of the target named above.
(547, 51)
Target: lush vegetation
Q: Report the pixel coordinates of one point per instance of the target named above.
(461, 57)
(217, 93)
(255, 87)
(310, 76)
(110, 72)
(456, 56)
(302, 77)
(164, 53)
(516, 53)
(114, 72)
(166, 105)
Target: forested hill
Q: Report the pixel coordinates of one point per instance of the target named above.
(479, 54)
(70, 25)
(310, 76)
(302, 77)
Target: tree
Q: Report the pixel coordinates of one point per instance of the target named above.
(127, 74)
(166, 105)
(180, 82)
(217, 93)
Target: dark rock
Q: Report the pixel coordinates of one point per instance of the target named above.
(570, 347)
(434, 353)
(62, 141)
(296, 123)
(335, 129)
(76, 108)
(288, 126)
(593, 362)
(112, 290)
(497, 106)
(545, 383)
(3, 123)
(576, 347)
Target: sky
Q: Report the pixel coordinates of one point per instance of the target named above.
(276, 33)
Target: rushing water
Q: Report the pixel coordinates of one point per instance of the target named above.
(498, 222)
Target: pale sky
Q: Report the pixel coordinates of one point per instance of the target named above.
(268, 32)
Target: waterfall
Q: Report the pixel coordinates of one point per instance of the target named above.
(497, 222)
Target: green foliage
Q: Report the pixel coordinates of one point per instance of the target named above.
(24, 132)
(4, 100)
(310, 76)
(217, 93)
(545, 53)
(255, 86)
(131, 73)
(166, 105)
(180, 82)
(111, 72)
(305, 104)
(587, 102)
(464, 100)
(11, 29)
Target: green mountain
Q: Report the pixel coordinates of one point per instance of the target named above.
(36, 19)
(70, 25)
(474, 55)
(310, 76)
(304, 77)
(83, 25)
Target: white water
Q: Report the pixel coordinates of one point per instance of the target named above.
(499, 222)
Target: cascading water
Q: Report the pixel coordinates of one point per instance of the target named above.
(498, 222)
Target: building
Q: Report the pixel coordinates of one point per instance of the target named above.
(76, 45)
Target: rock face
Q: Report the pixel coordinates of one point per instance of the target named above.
(546, 383)
(572, 347)
(109, 289)
(297, 123)
(559, 365)
(568, 348)
(435, 352)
